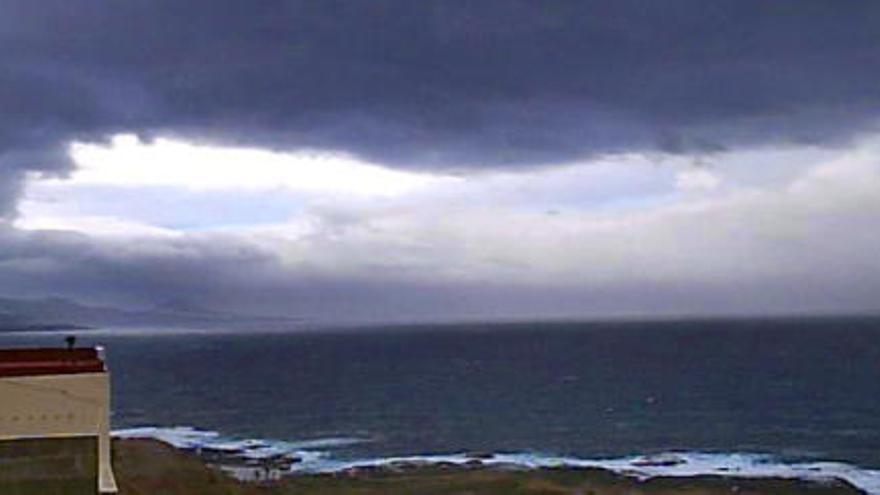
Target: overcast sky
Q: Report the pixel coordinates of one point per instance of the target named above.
(443, 159)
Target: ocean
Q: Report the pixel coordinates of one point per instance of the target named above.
(744, 392)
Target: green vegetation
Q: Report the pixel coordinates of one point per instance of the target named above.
(145, 467)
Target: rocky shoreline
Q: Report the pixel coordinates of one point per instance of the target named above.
(148, 466)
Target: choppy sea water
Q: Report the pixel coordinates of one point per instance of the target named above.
(749, 397)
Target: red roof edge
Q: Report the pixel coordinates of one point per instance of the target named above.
(50, 361)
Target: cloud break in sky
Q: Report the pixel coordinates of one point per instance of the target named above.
(440, 160)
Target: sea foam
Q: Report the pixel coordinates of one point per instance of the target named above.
(315, 456)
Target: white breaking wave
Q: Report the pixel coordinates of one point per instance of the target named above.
(678, 464)
(188, 438)
(181, 437)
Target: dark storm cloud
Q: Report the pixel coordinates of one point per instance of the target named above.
(437, 83)
(235, 276)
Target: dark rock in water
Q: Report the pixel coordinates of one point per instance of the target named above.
(480, 455)
(358, 471)
(659, 460)
(408, 465)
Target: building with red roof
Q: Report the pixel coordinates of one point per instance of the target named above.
(54, 421)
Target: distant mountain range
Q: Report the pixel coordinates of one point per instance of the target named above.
(52, 314)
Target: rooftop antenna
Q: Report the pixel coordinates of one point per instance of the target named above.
(71, 342)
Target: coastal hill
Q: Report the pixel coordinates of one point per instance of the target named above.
(56, 314)
(149, 467)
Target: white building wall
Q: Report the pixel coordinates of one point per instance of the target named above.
(60, 406)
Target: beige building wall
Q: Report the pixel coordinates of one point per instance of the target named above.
(60, 406)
